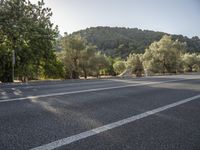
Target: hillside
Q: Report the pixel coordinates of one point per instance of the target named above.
(119, 42)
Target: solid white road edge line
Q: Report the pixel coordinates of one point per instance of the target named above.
(84, 91)
(55, 85)
(104, 128)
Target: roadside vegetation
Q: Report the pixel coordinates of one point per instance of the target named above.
(31, 46)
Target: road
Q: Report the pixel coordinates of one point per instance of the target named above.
(151, 113)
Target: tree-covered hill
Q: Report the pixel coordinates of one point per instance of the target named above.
(120, 42)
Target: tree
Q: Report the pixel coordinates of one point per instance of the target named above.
(73, 47)
(164, 56)
(30, 34)
(85, 59)
(191, 62)
(5, 57)
(109, 68)
(98, 63)
(135, 64)
(119, 66)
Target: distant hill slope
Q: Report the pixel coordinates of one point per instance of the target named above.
(119, 42)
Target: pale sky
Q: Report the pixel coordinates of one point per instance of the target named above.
(171, 16)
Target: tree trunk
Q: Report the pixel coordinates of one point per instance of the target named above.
(85, 73)
(75, 73)
(7, 73)
(138, 73)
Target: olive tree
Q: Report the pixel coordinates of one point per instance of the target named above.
(164, 56)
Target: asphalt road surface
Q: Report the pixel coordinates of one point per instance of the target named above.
(152, 113)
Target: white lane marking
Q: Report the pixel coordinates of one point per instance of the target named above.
(84, 91)
(104, 128)
(27, 86)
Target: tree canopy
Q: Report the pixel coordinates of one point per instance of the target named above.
(80, 58)
(164, 56)
(27, 32)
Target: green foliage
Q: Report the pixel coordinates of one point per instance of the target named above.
(164, 56)
(26, 30)
(109, 69)
(135, 64)
(54, 69)
(29, 32)
(80, 58)
(73, 47)
(191, 62)
(120, 42)
(85, 59)
(5, 61)
(119, 66)
(98, 64)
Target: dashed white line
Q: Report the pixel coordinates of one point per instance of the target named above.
(83, 135)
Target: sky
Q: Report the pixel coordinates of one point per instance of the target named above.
(170, 16)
